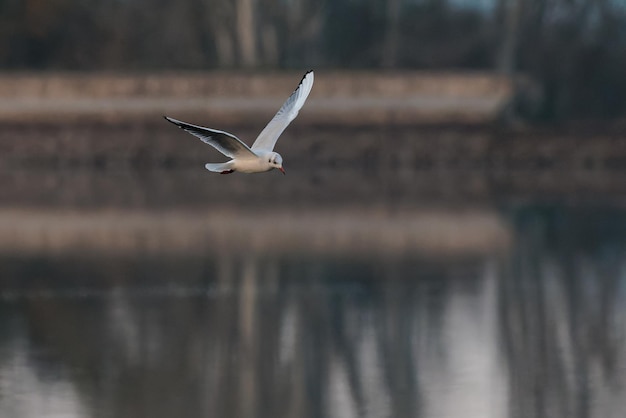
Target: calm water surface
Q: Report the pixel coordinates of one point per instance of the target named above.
(538, 332)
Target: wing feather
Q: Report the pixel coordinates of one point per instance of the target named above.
(227, 144)
(288, 112)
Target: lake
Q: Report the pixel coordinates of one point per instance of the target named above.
(346, 292)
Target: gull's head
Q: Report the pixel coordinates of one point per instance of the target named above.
(276, 161)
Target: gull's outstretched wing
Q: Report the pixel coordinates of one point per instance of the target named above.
(288, 112)
(226, 143)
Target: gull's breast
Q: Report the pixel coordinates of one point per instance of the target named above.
(251, 165)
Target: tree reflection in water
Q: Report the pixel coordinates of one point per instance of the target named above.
(562, 314)
(537, 334)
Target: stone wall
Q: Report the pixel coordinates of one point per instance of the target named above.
(338, 97)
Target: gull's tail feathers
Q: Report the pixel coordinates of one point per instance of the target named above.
(222, 168)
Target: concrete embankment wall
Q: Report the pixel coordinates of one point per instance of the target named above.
(347, 98)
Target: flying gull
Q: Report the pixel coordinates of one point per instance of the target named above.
(261, 156)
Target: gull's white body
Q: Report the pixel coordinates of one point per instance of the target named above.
(260, 157)
(249, 165)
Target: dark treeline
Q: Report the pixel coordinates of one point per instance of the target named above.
(576, 49)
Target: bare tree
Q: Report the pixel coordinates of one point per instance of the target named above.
(246, 33)
(220, 18)
(512, 10)
(270, 17)
(304, 21)
(390, 50)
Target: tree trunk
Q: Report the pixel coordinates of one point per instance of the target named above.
(218, 18)
(225, 48)
(512, 10)
(390, 48)
(270, 45)
(246, 31)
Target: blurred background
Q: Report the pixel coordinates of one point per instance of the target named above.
(449, 239)
(574, 49)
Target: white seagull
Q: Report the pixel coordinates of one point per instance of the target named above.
(261, 156)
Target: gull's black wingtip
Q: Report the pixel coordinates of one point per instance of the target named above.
(174, 122)
(170, 120)
(304, 76)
